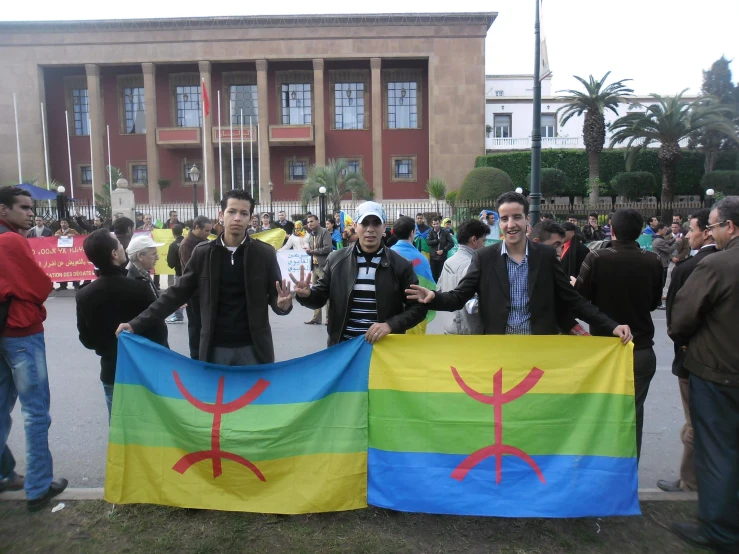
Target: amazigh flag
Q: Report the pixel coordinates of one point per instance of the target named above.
(273, 237)
(420, 266)
(206, 100)
(287, 438)
(511, 426)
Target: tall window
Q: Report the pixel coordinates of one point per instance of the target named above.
(548, 126)
(244, 97)
(81, 111)
(188, 106)
(297, 170)
(134, 106)
(353, 165)
(349, 105)
(402, 105)
(404, 169)
(502, 125)
(139, 174)
(86, 174)
(296, 104)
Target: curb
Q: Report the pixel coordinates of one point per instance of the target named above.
(645, 495)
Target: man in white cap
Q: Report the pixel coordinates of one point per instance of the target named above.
(142, 253)
(364, 285)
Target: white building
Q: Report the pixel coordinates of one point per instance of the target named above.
(509, 107)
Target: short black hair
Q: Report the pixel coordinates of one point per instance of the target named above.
(237, 194)
(545, 229)
(593, 214)
(653, 217)
(436, 218)
(314, 216)
(627, 224)
(569, 226)
(702, 217)
(678, 216)
(200, 222)
(122, 224)
(728, 209)
(471, 228)
(177, 229)
(403, 227)
(548, 215)
(660, 226)
(513, 198)
(8, 195)
(98, 247)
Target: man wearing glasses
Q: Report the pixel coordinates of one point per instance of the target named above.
(705, 316)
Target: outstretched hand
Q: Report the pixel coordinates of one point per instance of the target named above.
(302, 285)
(284, 296)
(420, 294)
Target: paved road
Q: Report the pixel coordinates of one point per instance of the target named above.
(78, 434)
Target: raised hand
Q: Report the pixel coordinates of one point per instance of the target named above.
(284, 296)
(302, 286)
(420, 294)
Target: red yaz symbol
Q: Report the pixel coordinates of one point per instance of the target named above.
(498, 449)
(218, 409)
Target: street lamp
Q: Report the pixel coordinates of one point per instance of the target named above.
(61, 202)
(271, 188)
(709, 198)
(322, 195)
(194, 174)
(519, 190)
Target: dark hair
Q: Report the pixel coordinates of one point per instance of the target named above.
(548, 215)
(513, 198)
(678, 216)
(472, 228)
(237, 194)
(403, 227)
(702, 217)
(627, 224)
(593, 214)
(172, 212)
(312, 216)
(728, 209)
(419, 213)
(177, 229)
(653, 217)
(436, 218)
(545, 229)
(200, 222)
(660, 226)
(569, 226)
(331, 221)
(8, 195)
(98, 247)
(122, 225)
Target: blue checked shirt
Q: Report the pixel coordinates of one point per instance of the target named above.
(519, 318)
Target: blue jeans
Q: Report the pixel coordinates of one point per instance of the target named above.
(23, 375)
(108, 389)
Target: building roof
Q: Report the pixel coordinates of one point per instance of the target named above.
(521, 76)
(256, 21)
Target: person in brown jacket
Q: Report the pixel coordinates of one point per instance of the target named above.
(705, 316)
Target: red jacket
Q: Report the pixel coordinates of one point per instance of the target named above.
(25, 282)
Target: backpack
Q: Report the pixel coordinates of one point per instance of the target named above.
(4, 306)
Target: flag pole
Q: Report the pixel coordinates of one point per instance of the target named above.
(535, 196)
(110, 170)
(17, 140)
(46, 150)
(205, 152)
(92, 167)
(251, 157)
(69, 155)
(220, 151)
(231, 135)
(259, 161)
(243, 174)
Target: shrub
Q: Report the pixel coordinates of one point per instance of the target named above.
(484, 184)
(632, 185)
(553, 182)
(725, 182)
(451, 197)
(436, 189)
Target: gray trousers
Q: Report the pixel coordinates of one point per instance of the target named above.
(242, 355)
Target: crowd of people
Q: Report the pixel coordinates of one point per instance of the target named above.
(537, 280)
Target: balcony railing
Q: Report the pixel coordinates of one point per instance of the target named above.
(524, 143)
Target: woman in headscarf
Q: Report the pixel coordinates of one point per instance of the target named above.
(336, 237)
(446, 223)
(297, 240)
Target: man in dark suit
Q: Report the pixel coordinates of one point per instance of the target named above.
(573, 250)
(521, 286)
(701, 239)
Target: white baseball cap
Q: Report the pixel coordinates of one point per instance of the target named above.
(141, 242)
(369, 208)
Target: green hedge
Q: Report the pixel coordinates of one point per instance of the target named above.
(575, 165)
(484, 183)
(725, 182)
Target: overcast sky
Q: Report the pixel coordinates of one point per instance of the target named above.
(661, 44)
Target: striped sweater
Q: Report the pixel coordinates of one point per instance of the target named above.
(363, 301)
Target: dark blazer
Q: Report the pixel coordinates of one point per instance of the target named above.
(439, 241)
(551, 297)
(575, 256)
(104, 304)
(202, 275)
(323, 245)
(680, 274)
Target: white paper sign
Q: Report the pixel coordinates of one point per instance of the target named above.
(291, 260)
(65, 242)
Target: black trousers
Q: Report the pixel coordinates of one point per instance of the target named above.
(193, 326)
(436, 268)
(645, 366)
(714, 410)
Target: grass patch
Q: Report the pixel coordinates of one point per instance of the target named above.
(95, 526)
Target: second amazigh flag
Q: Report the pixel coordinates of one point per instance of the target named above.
(510, 426)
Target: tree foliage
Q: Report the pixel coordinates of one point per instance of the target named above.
(725, 182)
(633, 185)
(553, 182)
(339, 182)
(484, 184)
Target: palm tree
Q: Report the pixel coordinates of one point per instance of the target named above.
(436, 189)
(338, 180)
(596, 99)
(667, 122)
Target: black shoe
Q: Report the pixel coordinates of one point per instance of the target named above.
(56, 488)
(692, 534)
(670, 486)
(14, 484)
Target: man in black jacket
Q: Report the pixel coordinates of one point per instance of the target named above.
(573, 250)
(625, 283)
(440, 242)
(174, 262)
(201, 228)
(107, 301)
(364, 285)
(701, 239)
(522, 289)
(231, 274)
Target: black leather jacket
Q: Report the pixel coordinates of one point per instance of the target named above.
(394, 275)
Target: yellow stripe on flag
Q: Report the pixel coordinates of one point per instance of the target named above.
(338, 481)
(571, 365)
(275, 237)
(163, 236)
